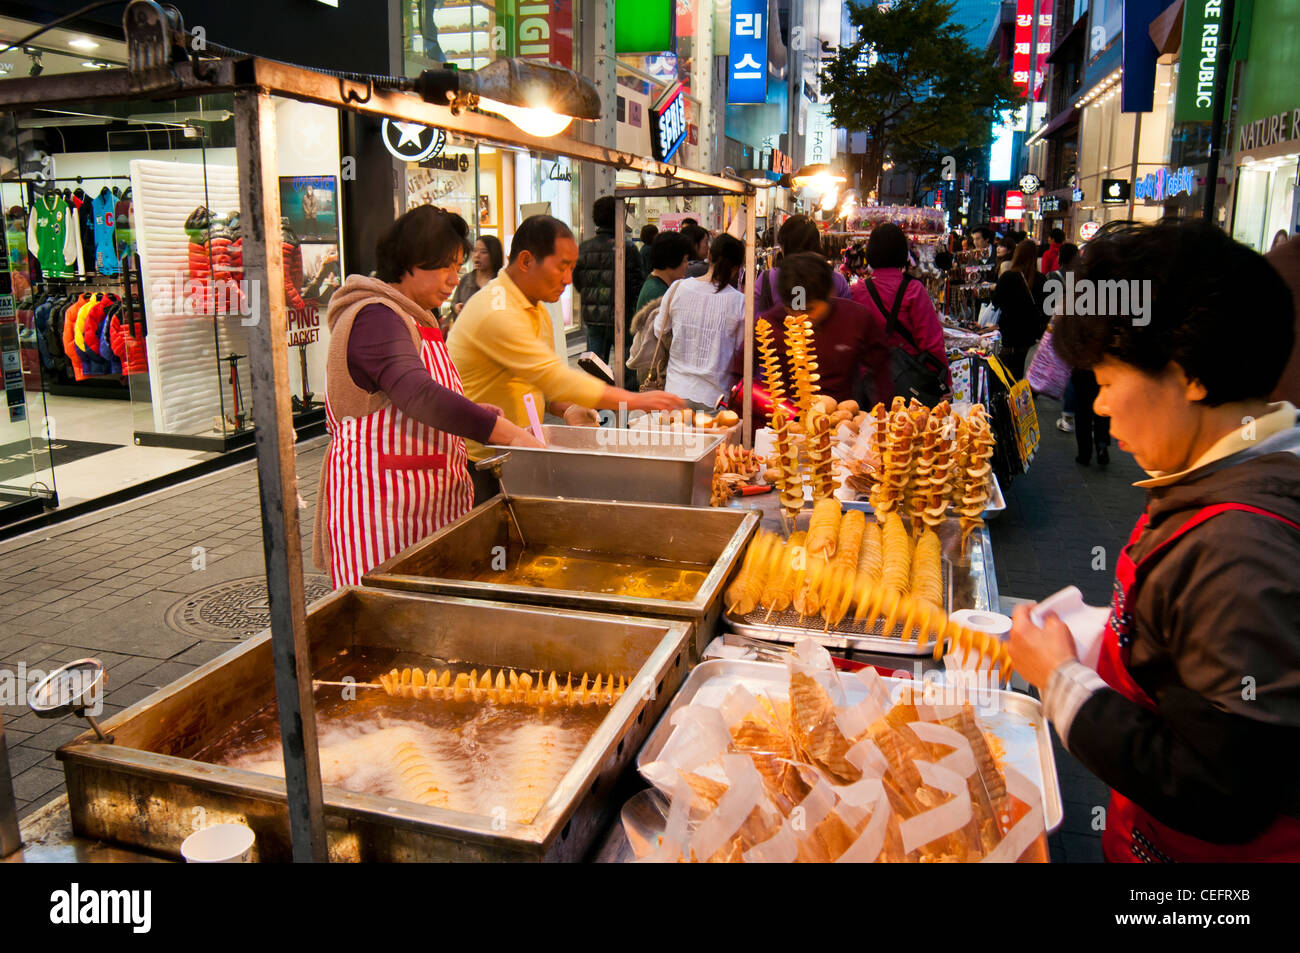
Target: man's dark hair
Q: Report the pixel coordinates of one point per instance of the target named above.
(1203, 284)
(668, 249)
(727, 255)
(887, 247)
(1068, 253)
(1057, 235)
(424, 237)
(690, 221)
(943, 260)
(648, 233)
(602, 211)
(799, 233)
(537, 234)
(694, 234)
(985, 231)
(808, 270)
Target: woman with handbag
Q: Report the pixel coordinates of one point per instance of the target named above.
(1019, 298)
(670, 254)
(903, 310)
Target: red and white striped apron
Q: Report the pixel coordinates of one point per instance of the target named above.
(391, 480)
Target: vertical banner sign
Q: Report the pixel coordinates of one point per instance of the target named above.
(1138, 80)
(1020, 55)
(1044, 47)
(544, 31)
(747, 59)
(820, 142)
(668, 124)
(1203, 30)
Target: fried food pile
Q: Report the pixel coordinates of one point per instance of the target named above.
(921, 461)
(732, 467)
(880, 571)
(801, 779)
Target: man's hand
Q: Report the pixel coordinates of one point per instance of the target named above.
(575, 415)
(655, 400)
(1037, 653)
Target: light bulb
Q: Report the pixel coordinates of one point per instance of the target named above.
(541, 123)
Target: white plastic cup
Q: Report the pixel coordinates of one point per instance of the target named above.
(219, 844)
(981, 620)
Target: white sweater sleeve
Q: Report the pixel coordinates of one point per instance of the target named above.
(72, 241)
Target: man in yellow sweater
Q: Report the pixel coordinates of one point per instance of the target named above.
(502, 343)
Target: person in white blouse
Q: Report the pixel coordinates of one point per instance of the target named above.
(706, 316)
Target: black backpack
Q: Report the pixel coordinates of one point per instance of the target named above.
(917, 375)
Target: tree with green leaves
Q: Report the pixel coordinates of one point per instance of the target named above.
(916, 88)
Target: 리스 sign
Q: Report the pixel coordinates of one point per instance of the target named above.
(747, 59)
(1114, 191)
(668, 124)
(1203, 29)
(1165, 184)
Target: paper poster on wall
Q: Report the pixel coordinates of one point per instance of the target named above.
(321, 278)
(309, 203)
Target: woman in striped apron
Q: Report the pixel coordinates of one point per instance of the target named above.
(398, 418)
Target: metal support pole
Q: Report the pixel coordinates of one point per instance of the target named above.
(259, 198)
(751, 282)
(1220, 101)
(620, 296)
(1133, 173)
(10, 839)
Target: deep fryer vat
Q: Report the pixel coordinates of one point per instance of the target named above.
(146, 790)
(446, 561)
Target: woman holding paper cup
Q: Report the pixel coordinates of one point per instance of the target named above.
(1193, 713)
(398, 418)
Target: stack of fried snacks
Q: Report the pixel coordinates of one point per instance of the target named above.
(976, 442)
(746, 589)
(824, 527)
(895, 474)
(821, 473)
(887, 779)
(803, 363)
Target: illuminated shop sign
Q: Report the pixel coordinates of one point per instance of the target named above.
(668, 124)
(1165, 184)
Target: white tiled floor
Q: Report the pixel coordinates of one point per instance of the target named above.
(102, 421)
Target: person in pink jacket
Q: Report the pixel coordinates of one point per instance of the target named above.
(887, 257)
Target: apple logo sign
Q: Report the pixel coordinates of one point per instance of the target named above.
(1114, 188)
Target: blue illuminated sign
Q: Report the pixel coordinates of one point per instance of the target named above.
(747, 61)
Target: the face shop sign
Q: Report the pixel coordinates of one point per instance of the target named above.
(1165, 184)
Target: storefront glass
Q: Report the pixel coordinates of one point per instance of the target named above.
(1268, 201)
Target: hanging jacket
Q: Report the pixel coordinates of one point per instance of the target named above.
(42, 322)
(101, 210)
(128, 343)
(86, 342)
(69, 336)
(106, 339)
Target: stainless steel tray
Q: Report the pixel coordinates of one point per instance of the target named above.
(969, 583)
(1018, 723)
(605, 463)
(997, 502)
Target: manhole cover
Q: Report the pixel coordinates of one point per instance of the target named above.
(232, 611)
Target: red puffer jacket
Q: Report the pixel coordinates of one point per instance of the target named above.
(128, 345)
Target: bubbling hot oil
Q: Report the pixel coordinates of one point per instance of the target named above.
(499, 761)
(551, 567)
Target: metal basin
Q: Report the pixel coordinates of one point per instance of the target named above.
(459, 558)
(147, 790)
(604, 463)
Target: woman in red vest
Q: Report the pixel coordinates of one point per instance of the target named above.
(1193, 714)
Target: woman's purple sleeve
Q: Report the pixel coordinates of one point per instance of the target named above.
(382, 357)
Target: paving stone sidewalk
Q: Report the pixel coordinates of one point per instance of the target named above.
(102, 585)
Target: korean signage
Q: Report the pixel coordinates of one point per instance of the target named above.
(747, 59)
(1199, 60)
(668, 124)
(1165, 184)
(1052, 203)
(1023, 60)
(780, 163)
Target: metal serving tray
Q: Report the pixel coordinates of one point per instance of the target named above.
(447, 561)
(1018, 722)
(145, 790)
(997, 502)
(968, 584)
(605, 463)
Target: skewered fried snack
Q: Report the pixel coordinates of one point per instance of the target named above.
(744, 593)
(820, 458)
(808, 583)
(896, 566)
(763, 335)
(848, 544)
(896, 463)
(739, 460)
(803, 362)
(787, 458)
(978, 469)
(927, 577)
(506, 687)
(418, 779)
(824, 527)
(871, 556)
(778, 593)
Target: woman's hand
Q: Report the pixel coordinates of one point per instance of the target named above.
(494, 408)
(575, 415)
(1037, 652)
(509, 434)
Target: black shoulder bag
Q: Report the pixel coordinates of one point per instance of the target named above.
(915, 375)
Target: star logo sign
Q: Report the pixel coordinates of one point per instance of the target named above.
(411, 141)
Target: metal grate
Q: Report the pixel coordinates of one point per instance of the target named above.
(232, 611)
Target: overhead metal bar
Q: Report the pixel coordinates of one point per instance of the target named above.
(666, 192)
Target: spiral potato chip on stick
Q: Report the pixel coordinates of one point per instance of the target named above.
(506, 687)
(803, 362)
(778, 593)
(896, 464)
(790, 478)
(824, 528)
(927, 576)
(819, 455)
(744, 593)
(978, 473)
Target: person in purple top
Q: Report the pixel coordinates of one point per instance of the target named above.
(798, 233)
